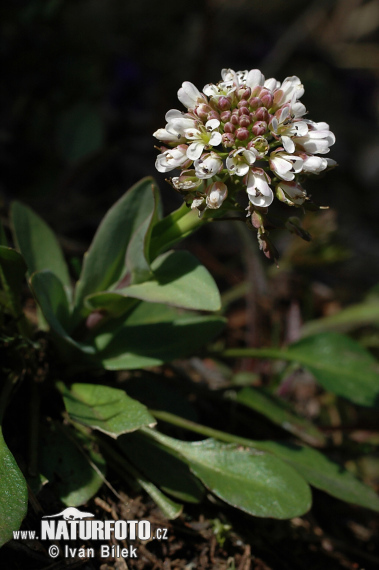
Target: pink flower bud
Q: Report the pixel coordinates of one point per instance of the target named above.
(213, 115)
(267, 98)
(261, 114)
(234, 119)
(228, 140)
(243, 111)
(202, 111)
(257, 219)
(242, 134)
(225, 116)
(229, 128)
(244, 121)
(224, 103)
(254, 103)
(243, 104)
(259, 128)
(243, 92)
(256, 91)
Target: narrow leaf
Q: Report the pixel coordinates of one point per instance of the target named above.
(38, 244)
(324, 474)
(348, 319)
(104, 263)
(275, 410)
(107, 409)
(13, 494)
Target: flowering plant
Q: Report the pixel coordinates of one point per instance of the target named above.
(244, 132)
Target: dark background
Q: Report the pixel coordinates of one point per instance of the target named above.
(84, 83)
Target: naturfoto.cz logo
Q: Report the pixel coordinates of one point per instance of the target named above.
(72, 524)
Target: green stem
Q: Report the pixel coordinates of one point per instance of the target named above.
(173, 228)
(257, 353)
(204, 430)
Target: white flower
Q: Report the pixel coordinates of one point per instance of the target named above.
(272, 84)
(222, 89)
(317, 140)
(216, 194)
(254, 78)
(284, 127)
(285, 165)
(203, 136)
(292, 193)
(208, 165)
(186, 181)
(196, 203)
(178, 122)
(171, 159)
(164, 136)
(190, 96)
(290, 89)
(240, 160)
(258, 189)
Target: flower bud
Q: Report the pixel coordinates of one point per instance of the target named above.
(229, 128)
(291, 193)
(244, 121)
(202, 111)
(213, 115)
(224, 103)
(244, 92)
(186, 181)
(260, 145)
(256, 91)
(257, 219)
(254, 103)
(242, 134)
(216, 194)
(259, 128)
(234, 119)
(261, 114)
(243, 104)
(243, 111)
(225, 116)
(228, 140)
(267, 98)
(266, 245)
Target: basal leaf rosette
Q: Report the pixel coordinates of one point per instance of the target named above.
(244, 132)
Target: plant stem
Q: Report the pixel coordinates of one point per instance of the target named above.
(257, 353)
(204, 430)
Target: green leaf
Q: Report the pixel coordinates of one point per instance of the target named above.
(13, 494)
(12, 278)
(3, 237)
(169, 508)
(38, 244)
(340, 365)
(104, 263)
(73, 468)
(257, 483)
(160, 336)
(324, 474)
(52, 300)
(80, 132)
(137, 255)
(358, 315)
(275, 410)
(179, 280)
(107, 409)
(159, 464)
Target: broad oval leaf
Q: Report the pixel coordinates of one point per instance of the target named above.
(13, 494)
(324, 474)
(151, 344)
(179, 280)
(340, 365)
(257, 483)
(104, 262)
(107, 409)
(38, 244)
(74, 469)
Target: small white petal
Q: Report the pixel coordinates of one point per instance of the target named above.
(194, 150)
(288, 144)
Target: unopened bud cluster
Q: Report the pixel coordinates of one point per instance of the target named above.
(244, 129)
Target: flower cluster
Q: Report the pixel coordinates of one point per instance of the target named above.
(245, 131)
